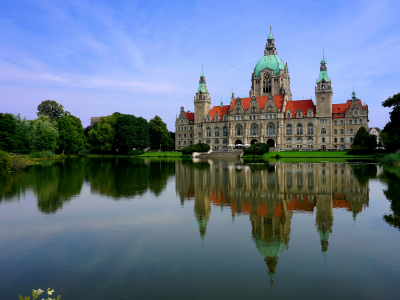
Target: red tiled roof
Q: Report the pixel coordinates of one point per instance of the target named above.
(304, 105)
(190, 116)
(220, 111)
(278, 99)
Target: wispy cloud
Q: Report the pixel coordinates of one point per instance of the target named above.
(240, 65)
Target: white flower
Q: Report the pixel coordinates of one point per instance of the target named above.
(49, 292)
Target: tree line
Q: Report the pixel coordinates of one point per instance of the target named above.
(59, 131)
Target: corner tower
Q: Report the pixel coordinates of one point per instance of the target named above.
(202, 101)
(323, 92)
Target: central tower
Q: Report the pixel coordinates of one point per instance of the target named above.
(271, 75)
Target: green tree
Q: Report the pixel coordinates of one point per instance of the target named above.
(51, 109)
(8, 128)
(159, 134)
(391, 131)
(130, 132)
(365, 139)
(22, 134)
(43, 134)
(101, 136)
(71, 138)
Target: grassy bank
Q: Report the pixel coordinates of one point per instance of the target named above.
(161, 154)
(311, 154)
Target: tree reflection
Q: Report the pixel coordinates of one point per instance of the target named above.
(392, 176)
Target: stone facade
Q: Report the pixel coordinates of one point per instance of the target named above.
(269, 115)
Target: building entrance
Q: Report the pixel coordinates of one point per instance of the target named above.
(271, 143)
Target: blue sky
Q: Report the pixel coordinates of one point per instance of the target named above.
(144, 57)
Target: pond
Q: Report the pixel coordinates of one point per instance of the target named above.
(93, 228)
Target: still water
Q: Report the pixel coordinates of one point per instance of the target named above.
(183, 229)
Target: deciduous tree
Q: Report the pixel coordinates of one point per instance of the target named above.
(159, 134)
(43, 134)
(391, 131)
(51, 109)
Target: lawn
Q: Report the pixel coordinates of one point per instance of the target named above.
(315, 154)
(161, 154)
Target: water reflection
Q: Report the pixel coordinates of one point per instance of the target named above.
(269, 193)
(55, 183)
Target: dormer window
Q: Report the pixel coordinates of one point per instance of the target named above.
(299, 113)
(309, 113)
(356, 112)
(288, 114)
(238, 111)
(253, 110)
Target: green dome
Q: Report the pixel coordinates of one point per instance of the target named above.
(272, 249)
(269, 61)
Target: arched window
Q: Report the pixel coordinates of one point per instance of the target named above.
(225, 131)
(323, 131)
(310, 128)
(216, 141)
(216, 117)
(288, 140)
(288, 129)
(237, 110)
(360, 121)
(323, 140)
(351, 140)
(199, 134)
(299, 128)
(351, 130)
(356, 112)
(342, 140)
(335, 140)
(208, 118)
(267, 86)
(355, 121)
(271, 128)
(335, 122)
(341, 131)
(341, 122)
(216, 131)
(288, 114)
(269, 109)
(299, 140)
(323, 85)
(254, 129)
(310, 140)
(335, 131)
(310, 113)
(239, 129)
(208, 142)
(225, 141)
(350, 122)
(208, 130)
(253, 110)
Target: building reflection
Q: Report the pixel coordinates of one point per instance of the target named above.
(269, 194)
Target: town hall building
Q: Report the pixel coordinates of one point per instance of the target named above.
(270, 115)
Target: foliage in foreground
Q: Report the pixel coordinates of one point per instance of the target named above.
(135, 152)
(5, 162)
(200, 147)
(364, 142)
(38, 292)
(41, 154)
(391, 159)
(391, 132)
(256, 149)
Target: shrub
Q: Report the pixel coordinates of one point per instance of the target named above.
(41, 154)
(257, 149)
(200, 147)
(135, 152)
(19, 162)
(277, 156)
(359, 150)
(5, 162)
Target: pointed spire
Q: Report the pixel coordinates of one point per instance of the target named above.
(222, 104)
(271, 35)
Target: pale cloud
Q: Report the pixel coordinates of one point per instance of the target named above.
(51, 77)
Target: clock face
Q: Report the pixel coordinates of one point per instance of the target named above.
(267, 76)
